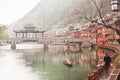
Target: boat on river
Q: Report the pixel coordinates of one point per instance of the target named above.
(67, 62)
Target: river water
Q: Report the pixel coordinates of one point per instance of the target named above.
(29, 62)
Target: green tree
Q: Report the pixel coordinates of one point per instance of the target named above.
(3, 32)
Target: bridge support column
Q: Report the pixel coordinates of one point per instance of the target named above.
(92, 46)
(13, 46)
(26, 35)
(80, 44)
(16, 35)
(42, 34)
(45, 46)
(68, 47)
(23, 35)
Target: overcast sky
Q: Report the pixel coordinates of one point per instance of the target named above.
(12, 10)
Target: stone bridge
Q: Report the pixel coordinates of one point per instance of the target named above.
(45, 41)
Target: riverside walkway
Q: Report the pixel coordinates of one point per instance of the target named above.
(113, 73)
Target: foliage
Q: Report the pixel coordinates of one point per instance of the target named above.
(3, 33)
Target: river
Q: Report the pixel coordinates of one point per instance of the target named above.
(32, 62)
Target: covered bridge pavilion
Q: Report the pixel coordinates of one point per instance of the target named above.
(29, 32)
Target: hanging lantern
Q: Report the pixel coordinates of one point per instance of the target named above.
(115, 5)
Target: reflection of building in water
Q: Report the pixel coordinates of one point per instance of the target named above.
(55, 48)
(72, 48)
(84, 60)
(101, 53)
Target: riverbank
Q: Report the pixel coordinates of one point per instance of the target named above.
(114, 73)
(100, 73)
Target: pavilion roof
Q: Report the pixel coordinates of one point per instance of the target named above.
(29, 28)
(29, 31)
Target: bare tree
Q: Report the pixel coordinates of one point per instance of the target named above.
(101, 20)
(93, 11)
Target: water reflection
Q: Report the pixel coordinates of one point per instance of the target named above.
(13, 68)
(37, 64)
(101, 53)
(49, 63)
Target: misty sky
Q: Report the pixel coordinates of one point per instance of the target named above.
(12, 10)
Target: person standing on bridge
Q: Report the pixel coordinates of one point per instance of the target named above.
(107, 60)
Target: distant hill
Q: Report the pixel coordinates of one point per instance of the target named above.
(47, 13)
(53, 12)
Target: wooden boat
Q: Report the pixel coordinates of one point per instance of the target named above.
(67, 62)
